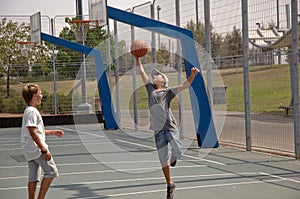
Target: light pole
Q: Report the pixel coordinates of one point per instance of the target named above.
(197, 16)
(277, 10)
(158, 39)
(84, 106)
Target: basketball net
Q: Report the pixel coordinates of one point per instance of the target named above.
(81, 27)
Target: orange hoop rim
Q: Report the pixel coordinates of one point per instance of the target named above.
(28, 43)
(89, 22)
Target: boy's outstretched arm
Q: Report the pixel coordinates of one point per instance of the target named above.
(58, 133)
(189, 81)
(141, 70)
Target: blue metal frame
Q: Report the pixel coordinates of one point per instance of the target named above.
(104, 92)
(205, 129)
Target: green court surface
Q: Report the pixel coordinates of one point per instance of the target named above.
(94, 163)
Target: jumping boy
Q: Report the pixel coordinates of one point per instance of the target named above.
(35, 149)
(162, 120)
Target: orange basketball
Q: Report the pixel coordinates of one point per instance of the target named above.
(139, 48)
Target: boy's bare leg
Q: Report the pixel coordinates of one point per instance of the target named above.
(31, 190)
(166, 171)
(45, 184)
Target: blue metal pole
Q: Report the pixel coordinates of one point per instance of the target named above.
(104, 92)
(205, 129)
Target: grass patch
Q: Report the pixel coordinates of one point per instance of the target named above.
(269, 88)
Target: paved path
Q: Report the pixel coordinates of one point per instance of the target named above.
(269, 132)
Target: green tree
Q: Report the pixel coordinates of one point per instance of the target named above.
(232, 49)
(163, 55)
(123, 58)
(11, 52)
(199, 36)
(233, 43)
(69, 61)
(198, 31)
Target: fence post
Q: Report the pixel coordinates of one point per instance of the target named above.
(116, 62)
(179, 68)
(246, 75)
(135, 111)
(54, 70)
(295, 77)
(153, 45)
(208, 49)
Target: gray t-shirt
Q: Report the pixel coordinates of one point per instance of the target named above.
(161, 116)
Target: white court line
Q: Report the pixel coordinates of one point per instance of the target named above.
(9, 139)
(58, 145)
(9, 144)
(153, 178)
(11, 149)
(132, 143)
(97, 163)
(189, 156)
(83, 132)
(276, 176)
(145, 146)
(48, 142)
(135, 144)
(14, 188)
(106, 171)
(193, 187)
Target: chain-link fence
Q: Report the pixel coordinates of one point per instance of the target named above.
(269, 57)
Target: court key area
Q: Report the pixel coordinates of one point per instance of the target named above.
(95, 164)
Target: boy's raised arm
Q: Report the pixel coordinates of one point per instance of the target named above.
(141, 70)
(189, 81)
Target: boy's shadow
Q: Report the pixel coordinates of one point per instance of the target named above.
(82, 191)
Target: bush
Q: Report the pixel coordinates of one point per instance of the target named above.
(64, 103)
(15, 103)
(12, 104)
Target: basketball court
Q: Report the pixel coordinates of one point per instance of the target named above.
(95, 163)
(98, 163)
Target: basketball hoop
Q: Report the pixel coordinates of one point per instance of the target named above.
(93, 23)
(81, 28)
(25, 46)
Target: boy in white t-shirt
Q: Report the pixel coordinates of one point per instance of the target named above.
(35, 149)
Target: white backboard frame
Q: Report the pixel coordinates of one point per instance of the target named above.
(35, 28)
(98, 11)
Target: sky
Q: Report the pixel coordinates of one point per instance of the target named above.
(224, 13)
(52, 8)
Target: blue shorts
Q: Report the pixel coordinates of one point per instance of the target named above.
(162, 139)
(34, 169)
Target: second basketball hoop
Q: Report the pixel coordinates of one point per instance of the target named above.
(25, 46)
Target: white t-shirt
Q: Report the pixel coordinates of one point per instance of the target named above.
(32, 118)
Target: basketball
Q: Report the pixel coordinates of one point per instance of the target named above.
(139, 48)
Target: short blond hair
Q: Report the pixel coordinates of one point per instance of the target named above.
(28, 91)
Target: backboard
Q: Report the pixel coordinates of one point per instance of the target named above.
(35, 28)
(98, 11)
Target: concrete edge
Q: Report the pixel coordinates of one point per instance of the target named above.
(58, 119)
